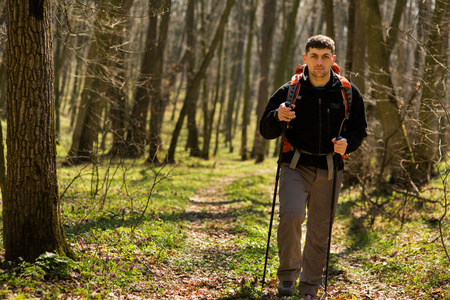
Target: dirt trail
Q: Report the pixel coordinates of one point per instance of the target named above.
(211, 224)
(210, 232)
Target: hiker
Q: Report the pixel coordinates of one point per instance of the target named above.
(317, 115)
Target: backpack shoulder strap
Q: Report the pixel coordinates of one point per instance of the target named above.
(294, 86)
(346, 95)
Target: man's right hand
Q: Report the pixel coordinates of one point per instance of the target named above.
(285, 113)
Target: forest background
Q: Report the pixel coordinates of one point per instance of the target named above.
(153, 81)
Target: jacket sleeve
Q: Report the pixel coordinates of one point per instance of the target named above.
(356, 127)
(269, 126)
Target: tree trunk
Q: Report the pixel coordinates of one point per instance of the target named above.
(59, 60)
(31, 221)
(93, 95)
(191, 41)
(329, 17)
(260, 144)
(245, 110)
(116, 86)
(236, 76)
(350, 39)
(3, 83)
(283, 56)
(170, 158)
(210, 114)
(2, 165)
(2, 65)
(433, 94)
(223, 94)
(358, 67)
(158, 102)
(136, 135)
(397, 147)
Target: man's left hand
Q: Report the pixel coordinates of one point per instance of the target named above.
(340, 146)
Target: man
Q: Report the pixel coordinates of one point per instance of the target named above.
(314, 122)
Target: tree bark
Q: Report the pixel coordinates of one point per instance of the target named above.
(59, 62)
(209, 115)
(329, 17)
(158, 102)
(433, 93)
(136, 135)
(3, 83)
(93, 95)
(2, 65)
(116, 86)
(191, 41)
(397, 147)
(358, 67)
(31, 221)
(288, 40)
(223, 93)
(248, 59)
(170, 158)
(261, 144)
(236, 71)
(350, 38)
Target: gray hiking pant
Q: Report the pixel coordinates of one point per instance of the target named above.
(301, 188)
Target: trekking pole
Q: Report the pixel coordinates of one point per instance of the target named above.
(336, 160)
(277, 177)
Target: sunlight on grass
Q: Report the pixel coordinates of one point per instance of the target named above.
(142, 229)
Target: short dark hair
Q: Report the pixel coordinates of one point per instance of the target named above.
(320, 42)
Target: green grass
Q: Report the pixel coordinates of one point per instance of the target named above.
(125, 230)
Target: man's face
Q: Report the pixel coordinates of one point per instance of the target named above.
(319, 62)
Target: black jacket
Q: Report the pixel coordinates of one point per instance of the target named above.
(319, 114)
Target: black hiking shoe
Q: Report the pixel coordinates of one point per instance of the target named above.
(286, 288)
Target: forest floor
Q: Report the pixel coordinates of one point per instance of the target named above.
(210, 238)
(198, 230)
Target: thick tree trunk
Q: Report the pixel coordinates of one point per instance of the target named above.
(31, 222)
(261, 144)
(397, 147)
(433, 93)
(170, 158)
(2, 64)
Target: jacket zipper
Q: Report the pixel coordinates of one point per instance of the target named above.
(320, 125)
(328, 123)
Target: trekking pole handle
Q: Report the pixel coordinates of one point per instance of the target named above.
(285, 125)
(338, 139)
